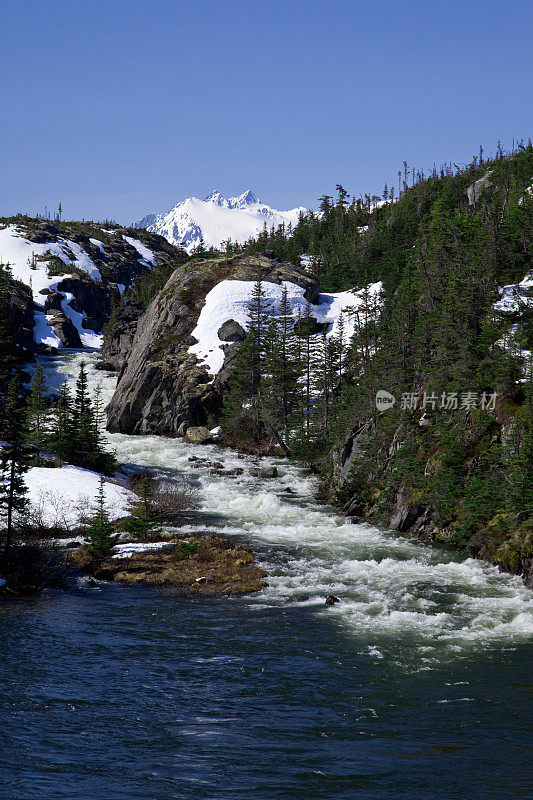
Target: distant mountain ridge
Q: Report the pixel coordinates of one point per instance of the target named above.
(216, 219)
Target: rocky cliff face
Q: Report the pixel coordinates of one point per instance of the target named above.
(17, 311)
(162, 387)
(16, 328)
(120, 333)
(388, 496)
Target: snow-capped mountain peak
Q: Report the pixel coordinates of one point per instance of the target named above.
(217, 198)
(247, 198)
(216, 219)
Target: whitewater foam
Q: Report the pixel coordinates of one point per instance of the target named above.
(400, 599)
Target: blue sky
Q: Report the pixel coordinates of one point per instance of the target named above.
(119, 108)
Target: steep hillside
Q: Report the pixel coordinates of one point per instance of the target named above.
(77, 272)
(16, 325)
(450, 456)
(447, 453)
(217, 219)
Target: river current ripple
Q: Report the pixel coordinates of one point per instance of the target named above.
(414, 686)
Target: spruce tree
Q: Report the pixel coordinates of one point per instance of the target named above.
(239, 414)
(14, 464)
(143, 516)
(86, 448)
(323, 381)
(281, 363)
(60, 437)
(258, 322)
(308, 357)
(100, 538)
(37, 414)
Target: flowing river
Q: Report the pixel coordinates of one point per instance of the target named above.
(416, 685)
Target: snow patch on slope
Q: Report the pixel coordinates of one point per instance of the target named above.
(146, 256)
(88, 337)
(58, 494)
(100, 245)
(217, 219)
(515, 297)
(43, 332)
(21, 254)
(83, 261)
(231, 299)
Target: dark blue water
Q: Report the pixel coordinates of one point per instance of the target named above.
(121, 693)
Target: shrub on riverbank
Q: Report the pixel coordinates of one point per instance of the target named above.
(164, 499)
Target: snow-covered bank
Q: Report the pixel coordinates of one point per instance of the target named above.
(58, 496)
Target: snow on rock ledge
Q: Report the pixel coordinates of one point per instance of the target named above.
(75, 278)
(515, 297)
(230, 300)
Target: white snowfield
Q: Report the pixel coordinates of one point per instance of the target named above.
(217, 219)
(59, 495)
(230, 300)
(20, 253)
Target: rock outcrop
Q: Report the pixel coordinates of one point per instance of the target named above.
(475, 190)
(120, 334)
(17, 312)
(65, 330)
(94, 300)
(162, 388)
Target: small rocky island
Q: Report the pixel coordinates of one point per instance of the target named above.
(210, 565)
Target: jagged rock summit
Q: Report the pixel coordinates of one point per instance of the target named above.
(216, 219)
